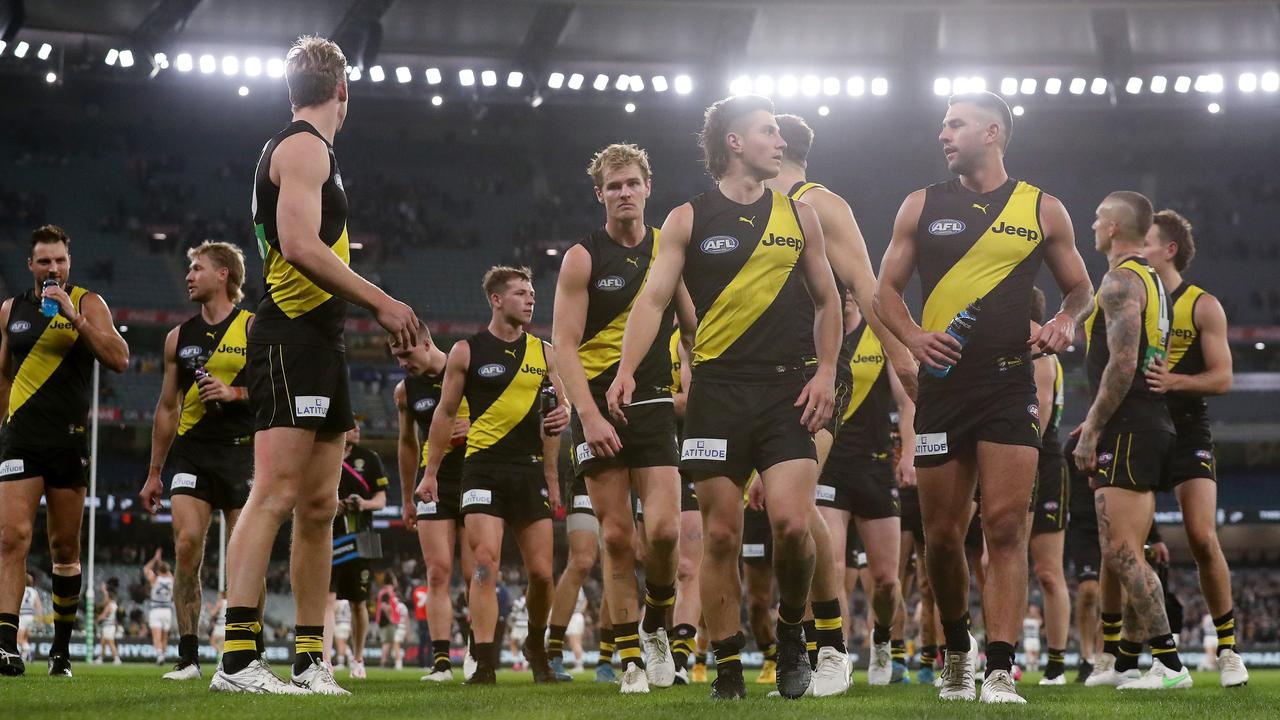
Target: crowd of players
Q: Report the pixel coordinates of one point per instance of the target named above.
(705, 371)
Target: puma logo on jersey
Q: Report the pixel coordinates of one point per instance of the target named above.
(512, 353)
(983, 208)
(633, 261)
(212, 334)
(750, 221)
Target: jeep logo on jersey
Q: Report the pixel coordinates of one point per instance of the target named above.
(1176, 332)
(491, 370)
(611, 283)
(19, 326)
(946, 226)
(190, 351)
(424, 404)
(781, 241)
(876, 359)
(1007, 229)
(719, 244)
(234, 350)
(533, 369)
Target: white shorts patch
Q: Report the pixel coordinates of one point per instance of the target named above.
(160, 619)
(183, 480)
(583, 452)
(477, 497)
(13, 467)
(426, 508)
(931, 444)
(582, 502)
(753, 550)
(311, 406)
(705, 449)
(825, 492)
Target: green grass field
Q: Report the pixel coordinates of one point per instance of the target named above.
(135, 692)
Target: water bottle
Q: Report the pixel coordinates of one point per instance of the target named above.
(48, 306)
(961, 328)
(202, 373)
(547, 400)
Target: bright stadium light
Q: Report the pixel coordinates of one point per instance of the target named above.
(879, 86)
(113, 55)
(433, 76)
(555, 80)
(161, 61)
(208, 64)
(244, 91)
(977, 84)
(1159, 83)
(488, 78)
(1009, 86)
(684, 84)
(466, 77)
(788, 85)
(764, 85)
(184, 63)
(20, 50)
(536, 100)
(515, 79)
(960, 85)
(659, 83)
(1214, 108)
(436, 100)
(1077, 86)
(44, 51)
(1211, 83)
(126, 57)
(831, 86)
(942, 86)
(1053, 86)
(354, 75)
(575, 81)
(856, 86)
(230, 65)
(51, 77)
(622, 83)
(1270, 81)
(637, 83)
(810, 85)
(1248, 82)
(377, 74)
(3, 45)
(403, 74)
(1134, 86)
(1028, 86)
(601, 82)
(740, 85)
(1099, 85)
(1182, 84)
(253, 68)
(823, 110)
(1018, 111)
(629, 107)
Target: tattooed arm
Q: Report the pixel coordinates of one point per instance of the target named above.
(1120, 296)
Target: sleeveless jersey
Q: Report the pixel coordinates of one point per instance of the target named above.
(981, 246)
(1185, 354)
(422, 392)
(865, 422)
(222, 350)
(1031, 629)
(618, 274)
(162, 592)
(29, 595)
(342, 612)
(503, 384)
(741, 271)
(53, 375)
(1142, 408)
(109, 617)
(294, 310)
(807, 310)
(1050, 443)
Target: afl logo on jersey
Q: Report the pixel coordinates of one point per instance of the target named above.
(719, 244)
(491, 370)
(190, 351)
(19, 326)
(946, 227)
(337, 180)
(424, 404)
(610, 283)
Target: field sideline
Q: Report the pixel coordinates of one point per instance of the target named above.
(134, 692)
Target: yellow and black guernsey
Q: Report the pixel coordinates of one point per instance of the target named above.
(1185, 354)
(741, 269)
(807, 310)
(988, 247)
(53, 369)
(1142, 408)
(221, 349)
(294, 310)
(618, 273)
(503, 383)
(1051, 444)
(422, 392)
(865, 432)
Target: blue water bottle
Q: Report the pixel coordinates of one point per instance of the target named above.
(48, 306)
(961, 328)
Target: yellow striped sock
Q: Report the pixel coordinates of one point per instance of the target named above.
(240, 646)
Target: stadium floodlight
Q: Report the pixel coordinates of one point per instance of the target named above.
(637, 83)
(354, 74)
(601, 82)
(536, 100)
(1009, 86)
(855, 86)
(44, 51)
(436, 100)
(788, 85)
(555, 80)
(433, 76)
(879, 86)
(823, 110)
(810, 85)
(244, 91)
(253, 68)
(184, 63)
(113, 55)
(1077, 86)
(1211, 83)
(683, 84)
(942, 86)
(1134, 86)
(275, 68)
(377, 74)
(1018, 111)
(575, 81)
(740, 85)
(3, 45)
(622, 83)
(764, 85)
(1099, 85)
(488, 78)
(629, 107)
(831, 86)
(51, 77)
(230, 65)
(1270, 81)
(161, 61)
(1182, 84)
(466, 77)
(515, 79)
(1214, 108)
(126, 58)
(977, 84)
(20, 50)
(403, 74)
(659, 83)
(1259, 346)
(1159, 83)
(1248, 82)
(960, 85)
(1053, 86)
(1028, 86)
(208, 64)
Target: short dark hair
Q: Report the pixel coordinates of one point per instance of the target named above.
(1037, 304)
(50, 234)
(993, 103)
(798, 136)
(1139, 206)
(721, 118)
(1176, 229)
(496, 279)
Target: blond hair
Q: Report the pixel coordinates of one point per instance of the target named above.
(224, 255)
(617, 156)
(313, 69)
(496, 279)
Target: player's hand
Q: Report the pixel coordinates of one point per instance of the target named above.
(937, 350)
(600, 434)
(1160, 552)
(214, 390)
(353, 502)
(60, 296)
(1055, 336)
(152, 491)
(553, 490)
(428, 489)
(1159, 377)
(619, 395)
(755, 493)
(400, 323)
(409, 515)
(1085, 454)
(556, 421)
(818, 400)
(906, 471)
(461, 426)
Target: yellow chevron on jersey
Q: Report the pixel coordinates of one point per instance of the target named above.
(867, 363)
(48, 353)
(674, 346)
(604, 349)
(517, 400)
(1184, 332)
(991, 259)
(754, 289)
(293, 292)
(806, 187)
(226, 362)
(1155, 316)
(464, 411)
